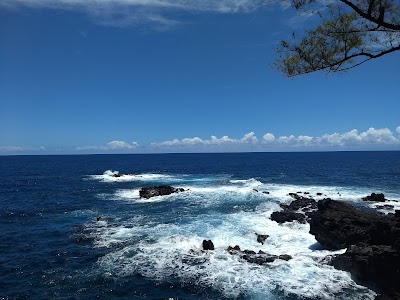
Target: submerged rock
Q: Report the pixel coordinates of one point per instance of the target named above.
(161, 190)
(117, 175)
(375, 197)
(385, 206)
(285, 257)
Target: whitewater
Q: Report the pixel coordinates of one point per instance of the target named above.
(96, 237)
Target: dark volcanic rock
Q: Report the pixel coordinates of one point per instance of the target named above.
(385, 206)
(375, 197)
(208, 245)
(388, 296)
(378, 263)
(161, 190)
(285, 257)
(287, 216)
(259, 258)
(117, 175)
(337, 225)
(372, 241)
(289, 211)
(261, 238)
(302, 203)
(232, 250)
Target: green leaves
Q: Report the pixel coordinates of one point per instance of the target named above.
(343, 39)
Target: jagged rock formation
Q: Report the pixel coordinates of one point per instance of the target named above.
(372, 241)
(208, 245)
(290, 212)
(259, 258)
(375, 197)
(161, 190)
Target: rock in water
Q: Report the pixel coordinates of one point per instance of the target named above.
(301, 202)
(290, 213)
(161, 190)
(379, 263)
(117, 175)
(259, 258)
(261, 238)
(338, 225)
(208, 245)
(372, 242)
(375, 197)
(285, 257)
(287, 216)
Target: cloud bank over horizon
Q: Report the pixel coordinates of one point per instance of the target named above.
(371, 139)
(351, 140)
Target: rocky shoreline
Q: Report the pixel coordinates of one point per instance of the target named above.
(371, 239)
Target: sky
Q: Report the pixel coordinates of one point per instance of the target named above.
(161, 76)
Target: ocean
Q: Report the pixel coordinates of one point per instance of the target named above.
(53, 247)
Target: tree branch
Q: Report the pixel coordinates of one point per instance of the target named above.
(370, 17)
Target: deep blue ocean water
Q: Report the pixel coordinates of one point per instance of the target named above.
(52, 246)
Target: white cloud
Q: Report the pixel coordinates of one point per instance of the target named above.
(352, 139)
(371, 136)
(6, 149)
(268, 138)
(222, 6)
(20, 150)
(120, 145)
(135, 12)
(286, 139)
(371, 139)
(247, 139)
(111, 146)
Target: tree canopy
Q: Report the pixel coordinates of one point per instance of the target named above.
(349, 33)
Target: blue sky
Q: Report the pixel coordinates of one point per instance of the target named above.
(136, 76)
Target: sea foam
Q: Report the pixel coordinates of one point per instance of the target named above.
(229, 212)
